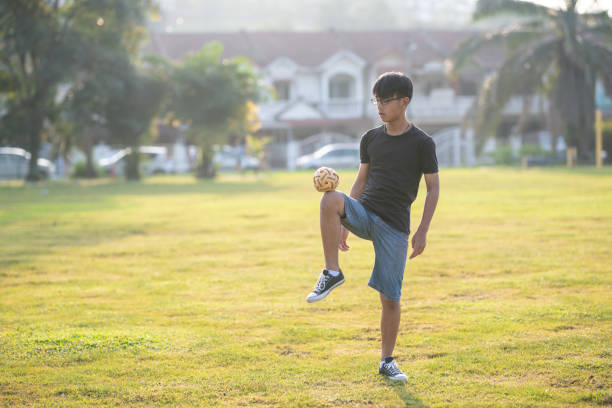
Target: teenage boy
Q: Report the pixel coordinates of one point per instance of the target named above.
(393, 158)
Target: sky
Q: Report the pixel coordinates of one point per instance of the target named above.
(299, 15)
(583, 6)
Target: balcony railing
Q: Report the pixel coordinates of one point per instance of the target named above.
(424, 109)
(342, 109)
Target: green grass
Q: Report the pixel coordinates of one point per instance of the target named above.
(174, 292)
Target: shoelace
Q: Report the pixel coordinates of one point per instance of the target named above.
(321, 282)
(392, 368)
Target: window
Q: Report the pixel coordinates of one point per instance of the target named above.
(283, 90)
(340, 153)
(341, 87)
(347, 153)
(13, 160)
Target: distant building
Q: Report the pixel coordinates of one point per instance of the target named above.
(322, 83)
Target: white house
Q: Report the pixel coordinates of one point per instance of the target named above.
(322, 81)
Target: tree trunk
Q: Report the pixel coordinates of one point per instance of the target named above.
(552, 125)
(34, 129)
(586, 143)
(90, 172)
(523, 119)
(132, 164)
(206, 168)
(87, 147)
(575, 98)
(36, 105)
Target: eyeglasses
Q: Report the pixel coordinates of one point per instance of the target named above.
(376, 101)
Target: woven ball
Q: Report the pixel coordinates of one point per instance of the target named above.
(325, 179)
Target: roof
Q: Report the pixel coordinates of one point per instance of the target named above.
(326, 122)
(310, 49)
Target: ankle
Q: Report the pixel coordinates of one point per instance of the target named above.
(333, 273)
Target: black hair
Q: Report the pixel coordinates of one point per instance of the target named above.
(392, 84)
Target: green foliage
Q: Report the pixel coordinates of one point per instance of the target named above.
(554, 52)
(257, 145)
(129, 112)
(48, 43)
(492, 8)
(211, 95)
(82, 170)
(504, 156)
(533, 150)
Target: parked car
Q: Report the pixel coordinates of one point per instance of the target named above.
(14, 164)
(153, 160)
(544, 160)
(229, 158)
(337, 156)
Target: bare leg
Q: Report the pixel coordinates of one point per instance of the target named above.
(332, 208)
(389, 325)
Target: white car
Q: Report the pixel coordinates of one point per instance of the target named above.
(14, 164)
(337, 156)
(228, 158)
(154, 160)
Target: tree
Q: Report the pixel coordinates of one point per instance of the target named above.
(212, 96)
(102, 70)
(129, 112)
(558, 52)
(45, 43)
(85, 105)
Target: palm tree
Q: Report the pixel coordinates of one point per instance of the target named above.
(557, 52)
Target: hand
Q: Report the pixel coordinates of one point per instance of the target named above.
(343, 246)
(419, 240)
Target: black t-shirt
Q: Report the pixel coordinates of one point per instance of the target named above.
(396, 166)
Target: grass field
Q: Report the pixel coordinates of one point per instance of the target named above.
(177, 292)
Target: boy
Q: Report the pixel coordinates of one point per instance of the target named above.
(393, 158)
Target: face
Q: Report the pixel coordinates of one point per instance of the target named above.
(391, 109)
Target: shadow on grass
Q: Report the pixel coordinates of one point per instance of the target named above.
(114, 188)
(53, 199)
(44, 238)
(199, 187)
(39, 211)
(410, 401)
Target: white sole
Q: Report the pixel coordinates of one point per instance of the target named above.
(397, 379)
(315, 298)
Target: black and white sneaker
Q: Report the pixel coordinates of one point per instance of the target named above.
(390, 369)
(324, 285)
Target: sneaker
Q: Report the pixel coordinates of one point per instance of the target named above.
(391, 370)
(324, 285)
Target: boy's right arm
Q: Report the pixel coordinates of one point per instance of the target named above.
(358, 186)
(360, 180)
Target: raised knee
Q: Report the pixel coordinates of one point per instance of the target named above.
(332, 200)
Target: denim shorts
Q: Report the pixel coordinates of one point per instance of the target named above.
(390, 247)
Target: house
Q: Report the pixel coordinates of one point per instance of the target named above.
(322, 82)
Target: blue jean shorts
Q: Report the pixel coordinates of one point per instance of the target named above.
(390, 247)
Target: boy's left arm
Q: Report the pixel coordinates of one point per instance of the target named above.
(419, 239)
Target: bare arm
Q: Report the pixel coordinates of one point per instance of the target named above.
(360, 181)
(419, 240)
